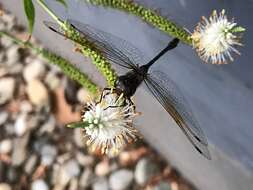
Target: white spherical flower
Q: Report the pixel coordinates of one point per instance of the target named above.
(215, 38)
(109, 123)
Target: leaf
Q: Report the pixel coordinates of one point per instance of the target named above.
(63, 2)
(238, 29)
(30, 14)
(78, 125)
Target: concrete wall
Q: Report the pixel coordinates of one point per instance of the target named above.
(221, 96)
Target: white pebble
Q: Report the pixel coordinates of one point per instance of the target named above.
(7, 86)
(39, 185)
(5, 186)
(5, 146)
(121, 179)
(34, 70)
(20, 125)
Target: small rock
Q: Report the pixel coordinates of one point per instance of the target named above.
(7, 87)
(68, 171)
(9, 20)
(102, 168)
(86, 178)
(100, 184)
(39, 185)
(19, 150)
(37, 93)
(34, 70)
(162, 186)
(12, 175)
(26, 107)
(15, 69)
(144, 170)
(20, 125)
(78, 137)
(121, 179)
(85, 160)
(6, 42)
(83, 95)
(72, 168)
(30, 164)
(5, 186)
(73, 185)
(13, 55)
(52, 80)
(5, 146)
(48, 126)
(3, 117)
(48, 154)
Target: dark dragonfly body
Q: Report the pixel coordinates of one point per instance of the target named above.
(129, 82)
(123, 54)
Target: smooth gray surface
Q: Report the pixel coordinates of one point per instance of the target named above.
(220, 96)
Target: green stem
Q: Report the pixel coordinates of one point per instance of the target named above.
(87, 48)
(148, 16)
(46, 8)
(67, 68)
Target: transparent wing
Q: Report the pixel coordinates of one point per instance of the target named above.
(171, 98)
(116, 50)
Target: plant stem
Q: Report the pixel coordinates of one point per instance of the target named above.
(87, 48)
(67, 68)
(148, 16)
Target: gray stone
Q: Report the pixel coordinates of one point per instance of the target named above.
(13, 55)
(15, 69)
(72, 168)
(7, 87)
(78, 137)
(66, 172)
(121, 179)
(52, 80)
(162, 186)
(5, 186)
(86, 178)
(26, 107)
(100, 184)
(39, 185)
(30, 164)
(34, 70)
(144, 170)
(19, 152)
(73, 185)
(48, 126)
(6, 42)
(85, 160)
(3, 117)
(48, 154)
(12, 175)
(5, 146)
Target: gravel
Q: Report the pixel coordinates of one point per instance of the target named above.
(121, 179)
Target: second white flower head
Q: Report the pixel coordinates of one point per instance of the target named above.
(215, 38)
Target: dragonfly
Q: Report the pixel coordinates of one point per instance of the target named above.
(123, 54)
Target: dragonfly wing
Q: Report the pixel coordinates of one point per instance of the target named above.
(55, 27)
(115, 49)
(171, 98)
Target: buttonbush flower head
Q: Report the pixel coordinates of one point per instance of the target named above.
(215, 38)
(109, 123)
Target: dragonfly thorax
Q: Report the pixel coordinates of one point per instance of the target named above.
(129, 82)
